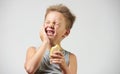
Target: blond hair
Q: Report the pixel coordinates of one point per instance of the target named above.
(70, 18)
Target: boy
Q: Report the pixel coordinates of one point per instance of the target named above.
(57, 24)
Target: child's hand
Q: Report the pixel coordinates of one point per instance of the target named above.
(43, 35)
(58, 58)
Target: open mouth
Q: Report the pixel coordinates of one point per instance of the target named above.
(50, 31)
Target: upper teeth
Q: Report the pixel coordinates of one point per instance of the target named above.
(49, 31)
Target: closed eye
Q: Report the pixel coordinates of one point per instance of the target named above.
(47, 22)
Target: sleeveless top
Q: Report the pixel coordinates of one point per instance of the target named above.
(47, 68)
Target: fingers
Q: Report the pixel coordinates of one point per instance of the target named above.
(42, 29)
(43, 35)
(57, 57)
(53, 56)
(56, 61)
(57, 52)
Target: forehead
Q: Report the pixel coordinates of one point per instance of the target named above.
(55, 16)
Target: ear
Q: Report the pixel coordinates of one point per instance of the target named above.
(66, 33)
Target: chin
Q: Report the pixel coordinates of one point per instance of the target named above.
(51, 37)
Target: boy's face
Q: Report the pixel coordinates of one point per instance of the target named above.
(55, 26)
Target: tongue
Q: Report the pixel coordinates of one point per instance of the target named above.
(49, 33)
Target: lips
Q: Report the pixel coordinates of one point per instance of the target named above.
(50, 31)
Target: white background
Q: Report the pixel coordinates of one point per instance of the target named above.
(94, 38)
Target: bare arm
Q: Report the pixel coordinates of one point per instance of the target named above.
(33, 58)
(73, 64)
(72, 68)
(30, 53)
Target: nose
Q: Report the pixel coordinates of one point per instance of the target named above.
(51, 25)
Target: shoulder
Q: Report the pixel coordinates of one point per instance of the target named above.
(73, 63)
(31, 49)
(72, 57)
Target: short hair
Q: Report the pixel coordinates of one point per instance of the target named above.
(70, 18)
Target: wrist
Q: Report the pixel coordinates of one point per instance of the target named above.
(46, 42)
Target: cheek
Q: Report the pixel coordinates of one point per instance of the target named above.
(45, 25)
(60, 29)
(57, 27)
(61, 32)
